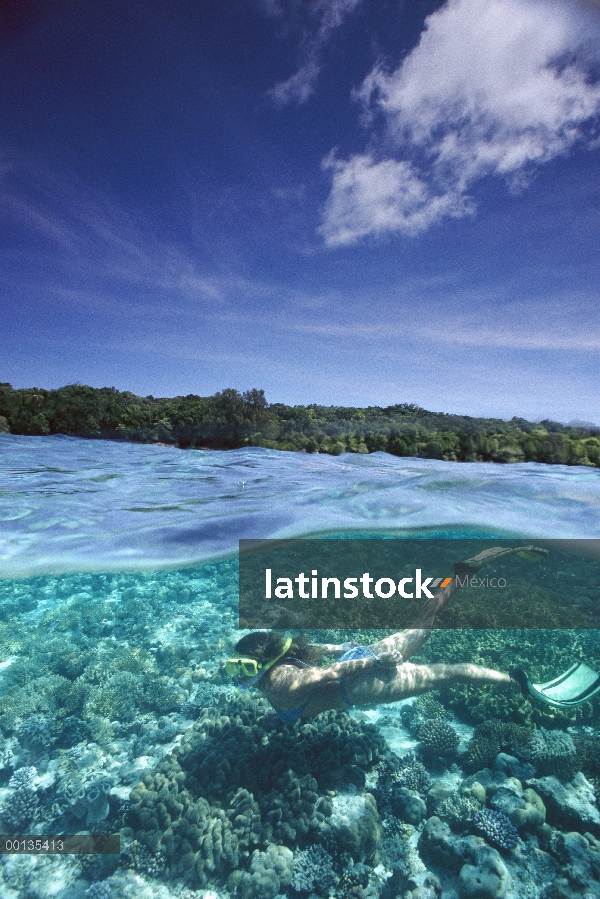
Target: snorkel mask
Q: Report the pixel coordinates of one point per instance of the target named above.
(243, 667)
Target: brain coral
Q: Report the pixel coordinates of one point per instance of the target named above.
(242, 781)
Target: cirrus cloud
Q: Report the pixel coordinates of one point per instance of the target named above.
(316, 20)
(494, 87)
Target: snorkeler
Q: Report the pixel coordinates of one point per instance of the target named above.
(283, 669)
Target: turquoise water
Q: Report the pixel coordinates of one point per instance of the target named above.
(118, 607)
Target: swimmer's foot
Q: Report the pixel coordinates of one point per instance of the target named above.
(520, 680)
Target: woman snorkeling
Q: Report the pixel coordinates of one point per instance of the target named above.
(283, 668)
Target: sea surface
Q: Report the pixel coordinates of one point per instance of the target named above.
(118, 607)
(88, 505)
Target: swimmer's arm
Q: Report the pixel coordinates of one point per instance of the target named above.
(328, 649)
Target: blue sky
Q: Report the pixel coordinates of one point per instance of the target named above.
(340, 201)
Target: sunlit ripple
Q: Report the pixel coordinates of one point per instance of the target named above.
(71, 504)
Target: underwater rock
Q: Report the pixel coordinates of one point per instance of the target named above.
(513, 766)
(486, 878)
(482, 872)
(439, 846)
(356, 826)
(571, 805)
(490, 781)
(408, 805)
(579, 860)
(472, 787)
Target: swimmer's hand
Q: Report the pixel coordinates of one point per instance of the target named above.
(390, 659)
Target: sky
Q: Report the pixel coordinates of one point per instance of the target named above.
(345, 202)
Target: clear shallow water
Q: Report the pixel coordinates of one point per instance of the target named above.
(87, 505)
(105, 671)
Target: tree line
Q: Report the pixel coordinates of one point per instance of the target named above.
(230, 419)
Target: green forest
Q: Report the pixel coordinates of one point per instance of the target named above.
(230, 419)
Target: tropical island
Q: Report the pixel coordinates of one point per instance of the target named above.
(230, 420)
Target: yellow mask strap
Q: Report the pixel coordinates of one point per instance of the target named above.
(286, 646)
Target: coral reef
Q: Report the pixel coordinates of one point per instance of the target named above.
(496, 828)
(138, 857)
(424, 708)
(84, 798)
(550, 752)
(524, 809)
(569, 805)
(313, 870)
(117, 681)
(438, 738)
(457, 809)
(413, 774)
(100, 890)
(20, 808)
(494, 736)
(242, 782)
(587, 748)
(356, 826)
(270, 872)
(35, 732)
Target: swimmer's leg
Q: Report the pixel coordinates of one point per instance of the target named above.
(409, 641)
(407, 680)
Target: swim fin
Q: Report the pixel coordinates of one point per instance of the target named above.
(571, 688)
(530, 553)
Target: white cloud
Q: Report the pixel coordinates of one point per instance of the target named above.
(316, 20)
(495, 87)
